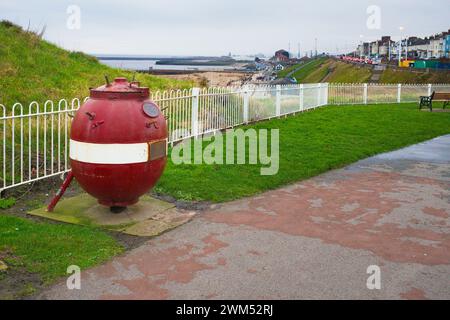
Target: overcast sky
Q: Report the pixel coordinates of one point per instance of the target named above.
(208, 27)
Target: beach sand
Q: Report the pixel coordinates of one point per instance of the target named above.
(214, 78)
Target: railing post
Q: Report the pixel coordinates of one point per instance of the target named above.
(246, 102)
(429, 89)
(318, 95)
(365, 93)
(399, 93)
(302, 108)
(327, 85)
(3, 170)
(278, 100)
(194, 114)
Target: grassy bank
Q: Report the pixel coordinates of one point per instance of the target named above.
(310, 143)
(34, 69)
(326, 69)
(303, 74)
(283, 73)
(407, 76)
(330, 70)
(334, 71)
(345, 73)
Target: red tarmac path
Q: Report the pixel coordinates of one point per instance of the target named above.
(309, 240)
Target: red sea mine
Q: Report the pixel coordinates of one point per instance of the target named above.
(118, 143)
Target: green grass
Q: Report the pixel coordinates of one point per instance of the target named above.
(330, 70)
(33, 69)
(49, 248)
(406, 76)
(307, 69)
(338, 72)
(283, 73)
(317, 75)
(310, 143)
(6, 203)
(347, 73)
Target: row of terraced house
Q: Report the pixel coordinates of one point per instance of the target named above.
(432, 47)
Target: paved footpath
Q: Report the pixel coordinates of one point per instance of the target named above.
(313, 239)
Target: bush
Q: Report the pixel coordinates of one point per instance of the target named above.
(7, 203)
(8, 24)
(82, 56)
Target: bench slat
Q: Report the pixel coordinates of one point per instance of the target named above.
(444, 96)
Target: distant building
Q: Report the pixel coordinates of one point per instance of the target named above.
(379, 48)
(447, 46)
(282, 56)
(431, 47)
(436, 46)
(363, 49)
(260, 66)
(385, 46)
(279, 67)
(418, 48)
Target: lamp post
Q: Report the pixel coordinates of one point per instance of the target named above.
(361, 46)
(400, 47)
(389, 49)
(406, 47)
(315, 45)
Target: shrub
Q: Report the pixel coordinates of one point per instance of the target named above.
(7, 203)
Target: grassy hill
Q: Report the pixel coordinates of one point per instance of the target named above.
(325, 69)
(407, 76)
(341, 72)
(328, 70)
(313, 72)
(331, 70)
(34, 69)
(304, 74)
(283, 73)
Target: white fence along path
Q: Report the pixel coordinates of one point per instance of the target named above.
(34, 142)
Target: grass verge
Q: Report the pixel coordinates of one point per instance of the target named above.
(309, 144)
(49, 248)
(407, 76)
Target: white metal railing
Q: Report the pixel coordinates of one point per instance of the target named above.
(198, 111)
(34, 142)
(363, 93)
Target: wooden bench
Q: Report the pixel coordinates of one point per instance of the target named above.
(427, 101)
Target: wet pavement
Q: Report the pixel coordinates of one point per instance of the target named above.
(310, 240)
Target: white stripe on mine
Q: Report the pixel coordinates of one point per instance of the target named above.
(112, 153)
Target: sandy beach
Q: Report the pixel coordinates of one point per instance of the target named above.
(215, 78)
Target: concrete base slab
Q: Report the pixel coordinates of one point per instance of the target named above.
(148, 217)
